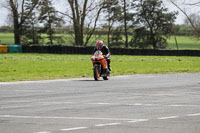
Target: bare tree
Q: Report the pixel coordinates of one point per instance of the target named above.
(125, 22)
(80, 10)
(192, 18)
(20, 10)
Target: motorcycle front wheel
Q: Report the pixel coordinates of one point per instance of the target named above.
(96, 73)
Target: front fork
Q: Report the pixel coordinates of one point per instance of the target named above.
(102, 72)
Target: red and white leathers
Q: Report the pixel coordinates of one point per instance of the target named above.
(105, 50)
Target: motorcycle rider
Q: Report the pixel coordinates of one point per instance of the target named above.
(105, 50)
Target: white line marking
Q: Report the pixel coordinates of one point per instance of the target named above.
(198, 114)
(170, 117)
(149, 104)
(73, 118)
(140, 120)
(141, 104)
(26, 90)
(72, 129)
(179, 105)
(43, 132)
(137, 104)
(21, 101)
(37, 104)
(176, 105)
(56, 103)
(19, 106)
(101, 103)
(163, 94)
(107, 124)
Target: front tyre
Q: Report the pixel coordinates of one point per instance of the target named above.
(96, 73)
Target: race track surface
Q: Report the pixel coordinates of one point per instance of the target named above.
(167, 103)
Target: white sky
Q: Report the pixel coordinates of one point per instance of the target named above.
(60, 4)
(3, 16)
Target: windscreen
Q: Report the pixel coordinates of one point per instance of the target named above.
(98, 52)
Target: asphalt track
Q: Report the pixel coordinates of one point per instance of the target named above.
(125, 104)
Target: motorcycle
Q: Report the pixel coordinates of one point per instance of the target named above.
(100, 67)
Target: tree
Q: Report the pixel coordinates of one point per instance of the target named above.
(30, 31)
(113, 11)
(140, 39)
(191, 19)
(119, 19)
(20, 10)
(125, 22)
(156, 19)
(80, 10)
(117, 37)
(50, 18)
(127, 18)
(194, 21)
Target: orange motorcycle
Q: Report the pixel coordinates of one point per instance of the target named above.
(100, 66)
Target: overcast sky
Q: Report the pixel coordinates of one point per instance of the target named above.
(4, 12)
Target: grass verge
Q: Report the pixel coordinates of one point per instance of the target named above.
(24, 67)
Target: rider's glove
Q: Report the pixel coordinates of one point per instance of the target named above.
(105, 57)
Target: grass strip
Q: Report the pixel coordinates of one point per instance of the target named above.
(25, 67)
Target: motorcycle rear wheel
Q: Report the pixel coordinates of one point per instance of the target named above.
(96, 73)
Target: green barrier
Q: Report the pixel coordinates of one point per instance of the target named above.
(14, 48)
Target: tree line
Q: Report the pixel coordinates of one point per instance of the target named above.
(181, 30)
(126, 23)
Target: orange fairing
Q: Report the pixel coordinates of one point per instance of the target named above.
(98, 58)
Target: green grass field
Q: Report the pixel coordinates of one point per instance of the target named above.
(23, 67)
(6, 38)
(184, 42)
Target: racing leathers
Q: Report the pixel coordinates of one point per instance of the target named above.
(106, 51)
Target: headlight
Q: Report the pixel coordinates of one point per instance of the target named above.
(93, 57)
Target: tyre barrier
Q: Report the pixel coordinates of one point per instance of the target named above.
(11, 49)
(3, 48)
(15, 48)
